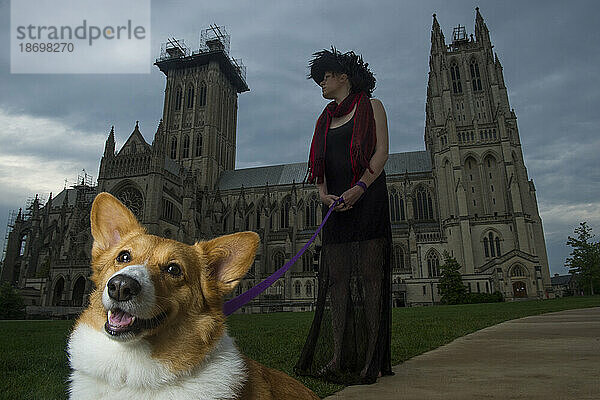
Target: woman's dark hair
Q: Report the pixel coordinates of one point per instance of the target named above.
(360, 76)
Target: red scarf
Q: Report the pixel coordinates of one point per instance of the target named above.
(363, 140)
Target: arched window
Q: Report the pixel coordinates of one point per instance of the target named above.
(455, 74)
(307, 261)
(517, 271)
(173, 153)
(278, 261)
(284, 214)
(22, 246)
(78, 291)
(396, 207)
(475, 78)
(258, 217)
(297, 287)
(311, 212)
(178, 95)
(433, 264)
(190, 97)
(491, 245)
(58, 291)
(398, 258)
(422, 204)
(198, 148)
(308, 289)
(186, 146)
(202, 98)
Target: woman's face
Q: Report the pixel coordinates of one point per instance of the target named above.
(333, 84)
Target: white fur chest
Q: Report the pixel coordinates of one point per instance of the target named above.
(104, 368)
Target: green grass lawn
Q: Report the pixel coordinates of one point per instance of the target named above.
(33, 362)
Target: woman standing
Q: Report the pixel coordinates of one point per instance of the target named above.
(349, 340)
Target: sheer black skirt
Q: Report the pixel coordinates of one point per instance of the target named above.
(349, 339)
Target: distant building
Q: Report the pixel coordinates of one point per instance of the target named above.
(468, 193)
(564, 285)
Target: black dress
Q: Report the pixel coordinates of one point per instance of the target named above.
(352, 321)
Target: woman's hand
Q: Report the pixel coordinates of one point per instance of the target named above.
(351, 196)
(329, 199)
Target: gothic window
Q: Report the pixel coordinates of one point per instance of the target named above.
(297, 287)
(58, 291)
(78, 292)
(475, 78)
(311, 212)
(278, 261)
(423, 204)
(284, 214)
(167, 209)
(307, 262)
(517, 271)
(258, 217)
(22, 247)
(190, 97)
(396, 207)
(173, 153)
(132, 199)
(178, 95)
(398, 258)
(198, 149)
(202, 97)
(491, 245)
(433, 264)
(455, 74)
(186, 146)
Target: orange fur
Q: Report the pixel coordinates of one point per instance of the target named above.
(193, 301)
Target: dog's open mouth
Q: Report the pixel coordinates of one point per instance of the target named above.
(120, 323)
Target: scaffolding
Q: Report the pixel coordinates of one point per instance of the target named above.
(214, 38)
(173, 48)
(459, 34)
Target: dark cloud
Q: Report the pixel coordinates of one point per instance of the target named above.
(549, 51)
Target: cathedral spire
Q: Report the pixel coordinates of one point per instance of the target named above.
(438, 43)
(482, 34)
(109, 147)
(158, 144)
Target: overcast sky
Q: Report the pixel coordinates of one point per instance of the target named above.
(54, 126)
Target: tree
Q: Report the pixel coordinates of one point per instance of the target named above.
(11, 303)
(585, 257)
(452, 290)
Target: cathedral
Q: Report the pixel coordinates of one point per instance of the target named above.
(467, 194)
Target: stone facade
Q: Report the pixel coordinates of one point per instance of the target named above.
(468, 193)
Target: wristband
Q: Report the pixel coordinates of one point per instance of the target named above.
(362, 185)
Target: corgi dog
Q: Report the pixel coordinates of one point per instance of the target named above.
(154, 327)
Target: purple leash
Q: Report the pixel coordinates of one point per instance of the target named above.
(232, 305)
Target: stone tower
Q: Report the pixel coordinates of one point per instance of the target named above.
(200, 105)
(487, 204)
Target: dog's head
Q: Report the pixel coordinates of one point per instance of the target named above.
(148, 286)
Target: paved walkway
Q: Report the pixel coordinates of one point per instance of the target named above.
(550, 356)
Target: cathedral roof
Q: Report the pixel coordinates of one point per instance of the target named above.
(286, 174)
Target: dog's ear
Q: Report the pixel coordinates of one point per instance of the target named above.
(110, 221)
(229, 257)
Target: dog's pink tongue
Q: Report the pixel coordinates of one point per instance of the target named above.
(120, 318)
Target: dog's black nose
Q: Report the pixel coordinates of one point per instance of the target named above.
(123, 288)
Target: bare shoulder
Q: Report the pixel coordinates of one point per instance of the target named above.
(377, 106)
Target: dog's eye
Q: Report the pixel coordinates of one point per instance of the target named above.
(173, 269)
(124, 257)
